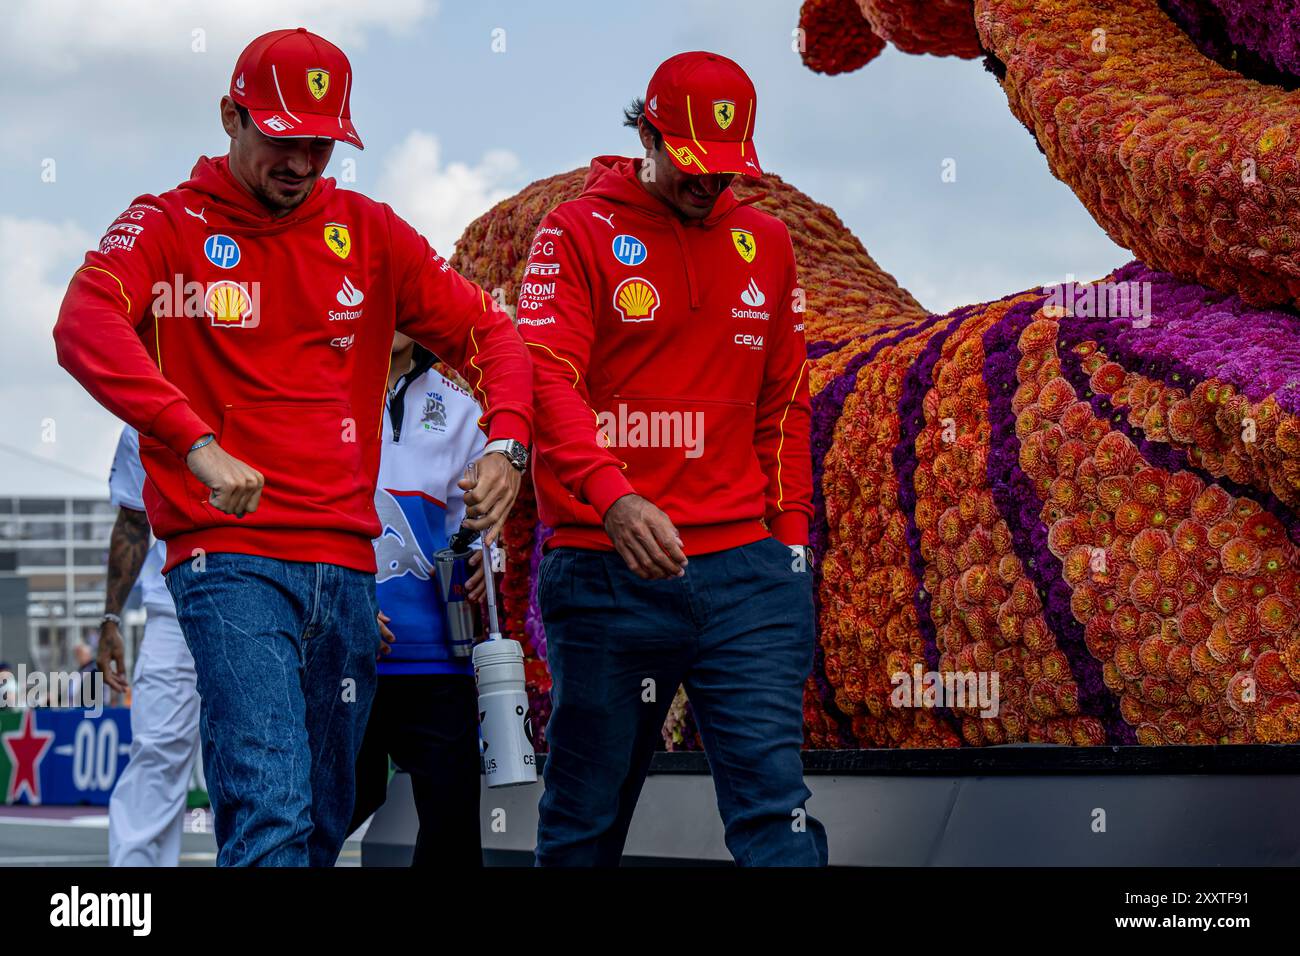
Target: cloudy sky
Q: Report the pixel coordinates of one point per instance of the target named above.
(119, 98)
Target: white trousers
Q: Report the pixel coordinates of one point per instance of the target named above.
(146, 812)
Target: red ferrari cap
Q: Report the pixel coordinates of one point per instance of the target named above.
(704, 105)
(296, 84)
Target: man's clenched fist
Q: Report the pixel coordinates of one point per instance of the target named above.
(645, 538)
(236, 487)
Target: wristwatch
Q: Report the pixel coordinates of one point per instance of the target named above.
(516, 452)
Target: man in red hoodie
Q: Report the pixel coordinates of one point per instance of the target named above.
(242, 323)
(663, 320)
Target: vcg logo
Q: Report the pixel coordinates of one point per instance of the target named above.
(629, 250)
(222, 251)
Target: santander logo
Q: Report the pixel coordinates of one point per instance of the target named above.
(753, 295)
(350, 296)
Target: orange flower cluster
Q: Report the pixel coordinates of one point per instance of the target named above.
(940, 27)
(842, 35)
(986, 610)
(1223, 432)
(868, 627)
(1190, 165)
(836, 38)
(1187, 594)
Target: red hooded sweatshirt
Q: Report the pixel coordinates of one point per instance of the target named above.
(669, 358)
(200, 313)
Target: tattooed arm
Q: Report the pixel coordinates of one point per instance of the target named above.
(127, 548)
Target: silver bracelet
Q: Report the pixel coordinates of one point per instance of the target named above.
(203, 441)
(116, 619)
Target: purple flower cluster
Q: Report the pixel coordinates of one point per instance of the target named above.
(1259, 38)
(533, 617)
(1201, 333)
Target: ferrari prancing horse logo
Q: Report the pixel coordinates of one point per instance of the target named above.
(338, 239)
(724, 111)
(745, 245)
(318, 81)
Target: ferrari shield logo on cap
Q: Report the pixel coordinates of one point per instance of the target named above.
(745, 245)
(338, 239)
(724, 111)
(318, 81)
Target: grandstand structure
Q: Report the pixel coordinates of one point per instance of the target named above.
(53, 551)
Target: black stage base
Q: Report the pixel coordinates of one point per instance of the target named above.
(1022, 805)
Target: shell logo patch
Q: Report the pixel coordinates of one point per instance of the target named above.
(228, 306)
(636, 299)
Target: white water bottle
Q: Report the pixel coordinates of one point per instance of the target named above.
(504, 720)
(508, 758)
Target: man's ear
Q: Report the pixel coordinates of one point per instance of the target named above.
(647, 134)
(229, 117)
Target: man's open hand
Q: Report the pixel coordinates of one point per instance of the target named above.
(489, 496)
(645, 538)
(112, 657)
(236, 487)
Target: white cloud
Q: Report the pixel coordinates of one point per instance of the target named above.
(439, 200)
(39, 399)
(66, 36)
(120, 73)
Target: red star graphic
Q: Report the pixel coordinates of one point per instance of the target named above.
(26, 747)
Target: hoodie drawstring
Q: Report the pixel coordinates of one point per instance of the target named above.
(686, 259)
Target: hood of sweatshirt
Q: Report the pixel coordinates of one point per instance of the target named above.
(614, 178)
(211, 177)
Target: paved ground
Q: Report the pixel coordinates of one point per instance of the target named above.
(78, 836)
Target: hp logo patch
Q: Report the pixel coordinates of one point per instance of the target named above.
(629, 250)
(222, 251)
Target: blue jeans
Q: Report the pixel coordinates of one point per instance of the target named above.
(285, 657)
(737, 631)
